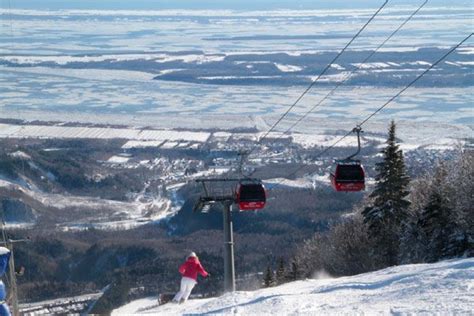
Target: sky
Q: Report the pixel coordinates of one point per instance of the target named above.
(212, 4)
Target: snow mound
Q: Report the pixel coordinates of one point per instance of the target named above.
(441, 288)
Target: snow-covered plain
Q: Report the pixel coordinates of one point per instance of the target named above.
(43, 131)
(443, 288)
(429, 135)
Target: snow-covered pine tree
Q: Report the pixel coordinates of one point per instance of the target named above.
(436, 225)
(295, 270)
(268, 278)
(280, 272)
(309, 257)
(439, 220)
(413, 241)
(441, 204)
(460, 178)
(389, 206)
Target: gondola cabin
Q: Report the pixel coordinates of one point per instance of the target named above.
(251, 196)
(348, 177)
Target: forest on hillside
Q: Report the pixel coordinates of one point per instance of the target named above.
(301, 231)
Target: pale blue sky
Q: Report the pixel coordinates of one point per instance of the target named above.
(215, 4)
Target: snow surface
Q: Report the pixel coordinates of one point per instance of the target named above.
(108, 214)
(288, 68)
(118, 159)
(426, 135)
(443, 288)
(36, 131)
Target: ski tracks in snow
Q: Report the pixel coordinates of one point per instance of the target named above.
(440, 288)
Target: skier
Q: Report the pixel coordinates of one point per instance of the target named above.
(189, 270)
(4, 260)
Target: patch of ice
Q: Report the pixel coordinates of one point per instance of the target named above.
(118, 159)
(419, 63)
(20, 154)
(168, 71)
(465, 63)
(371, 65)
(169, 145)
(142, 144)
(338, 67)
(196, 58)
(288, 68)
(466, 50)
(236, 77)
(298, 183)
(313, 140)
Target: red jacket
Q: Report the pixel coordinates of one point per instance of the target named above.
(191, 268)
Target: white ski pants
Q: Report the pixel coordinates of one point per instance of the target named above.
(187, 285)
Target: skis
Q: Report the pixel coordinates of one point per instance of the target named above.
(162, 300)
(144, 309)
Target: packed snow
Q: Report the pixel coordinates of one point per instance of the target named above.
(441, 288)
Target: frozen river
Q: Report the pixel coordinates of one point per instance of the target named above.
(195, 66)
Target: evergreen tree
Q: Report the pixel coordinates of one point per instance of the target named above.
(439, 221)
(413, 241)
(460, 183)
(441, 214)
(389, 207)
(295, 271)
(435, 224)
(269, 279)
(280, 273)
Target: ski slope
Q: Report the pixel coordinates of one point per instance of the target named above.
(442, 288)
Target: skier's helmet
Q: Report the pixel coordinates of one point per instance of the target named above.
(192, 254)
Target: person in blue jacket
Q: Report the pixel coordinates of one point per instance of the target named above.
(4, 260)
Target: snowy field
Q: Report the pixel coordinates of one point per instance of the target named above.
(444, 288)
(413, 135)
(42, 131)
(428, 135)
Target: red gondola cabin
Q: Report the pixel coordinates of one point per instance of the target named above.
(251, 196)
(348, 177)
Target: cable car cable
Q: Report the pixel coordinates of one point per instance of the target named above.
(355, 70)
(416, 79)
(320, 75)
(386, 103)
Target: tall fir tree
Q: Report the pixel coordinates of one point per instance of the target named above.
(436, 225)
(269, 278)
(389, 207)
(280, 272)
(295, 270)
(438, 222)
(413, 241)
